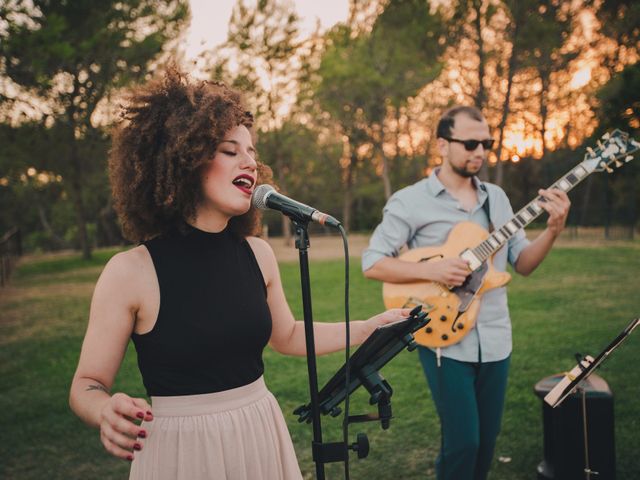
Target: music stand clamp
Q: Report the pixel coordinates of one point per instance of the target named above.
(572, 381)
(381, 346)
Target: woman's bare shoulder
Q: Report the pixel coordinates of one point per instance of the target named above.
(265, 257)
(260, 245)
(129, 267)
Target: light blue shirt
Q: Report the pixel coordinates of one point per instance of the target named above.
(422, 215)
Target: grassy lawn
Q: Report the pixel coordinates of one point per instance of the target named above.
(577, 301)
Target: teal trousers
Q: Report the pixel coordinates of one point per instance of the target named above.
(469, 398)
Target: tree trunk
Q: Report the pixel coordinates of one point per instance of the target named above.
(544, 110)
(57, 239)
(378, 150)
(499, 173)
(111, 234)
(397, 139)
(348, 191)
(75, 182)
(584, 214)
(286, 222)
(385, 174)
(74, 175)
(81, 218)
(481, 96)
(280, 178)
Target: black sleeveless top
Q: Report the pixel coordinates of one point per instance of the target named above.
(213, 322)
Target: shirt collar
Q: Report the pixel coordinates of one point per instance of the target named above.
(435, 186)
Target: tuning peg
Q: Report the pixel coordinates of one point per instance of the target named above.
(606, 136)
(591, 152)
(600, 145)
(618, 163)
(608, 169)
(628, 158)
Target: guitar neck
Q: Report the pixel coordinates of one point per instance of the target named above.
(526, 215)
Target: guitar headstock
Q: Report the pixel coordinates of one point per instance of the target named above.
(612, 150)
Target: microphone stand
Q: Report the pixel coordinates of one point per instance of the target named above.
(302, 244)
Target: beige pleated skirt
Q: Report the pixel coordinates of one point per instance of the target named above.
(237, 434)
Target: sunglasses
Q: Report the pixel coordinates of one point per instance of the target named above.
(471, 145)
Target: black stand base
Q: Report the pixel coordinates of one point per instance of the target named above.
(564, 432)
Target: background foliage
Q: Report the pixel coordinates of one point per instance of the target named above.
(345, 116)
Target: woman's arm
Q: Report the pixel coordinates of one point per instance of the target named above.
(287, 335)
(114, 307)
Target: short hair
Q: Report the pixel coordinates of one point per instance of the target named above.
(171, 130)
(447, 120)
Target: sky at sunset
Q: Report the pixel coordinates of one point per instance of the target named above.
(211, 17)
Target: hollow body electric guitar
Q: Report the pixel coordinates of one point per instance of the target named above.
(453, 310)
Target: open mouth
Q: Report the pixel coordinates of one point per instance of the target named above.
(244, 183)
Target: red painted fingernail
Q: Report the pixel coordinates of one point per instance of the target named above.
(142, 434)
(137, 446)
(140, 415)
(130, 458)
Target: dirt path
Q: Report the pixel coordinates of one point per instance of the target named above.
(321, 247)
(324, 247)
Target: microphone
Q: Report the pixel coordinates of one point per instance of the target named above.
(265, 196)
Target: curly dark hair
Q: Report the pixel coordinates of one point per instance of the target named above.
(171, 129)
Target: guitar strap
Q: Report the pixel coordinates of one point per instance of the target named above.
(486, 208)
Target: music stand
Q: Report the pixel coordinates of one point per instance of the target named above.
(572, 382)
(585, 367)
(381, 346)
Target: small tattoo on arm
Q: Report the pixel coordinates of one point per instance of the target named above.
(97, 387)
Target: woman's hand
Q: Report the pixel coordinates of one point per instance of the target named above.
(119, 433)
(390, 316)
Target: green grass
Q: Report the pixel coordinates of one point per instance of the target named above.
(577, 301)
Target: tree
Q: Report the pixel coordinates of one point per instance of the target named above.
(341, 90)
(469, 23)
(547, 33)
(311, 163)
(42, 206)
(263, 57)
(403, 52)
(620, 102)
(363, 77)
(71, 56)
(620, 108)
(620, 22)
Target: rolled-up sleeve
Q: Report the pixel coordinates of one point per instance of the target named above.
(390, 235)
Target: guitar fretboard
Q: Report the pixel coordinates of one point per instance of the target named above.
(526, 215)
(616, 145)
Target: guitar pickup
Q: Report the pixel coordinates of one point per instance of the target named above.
(413, 302)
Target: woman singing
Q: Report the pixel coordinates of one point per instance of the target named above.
(199, 296)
